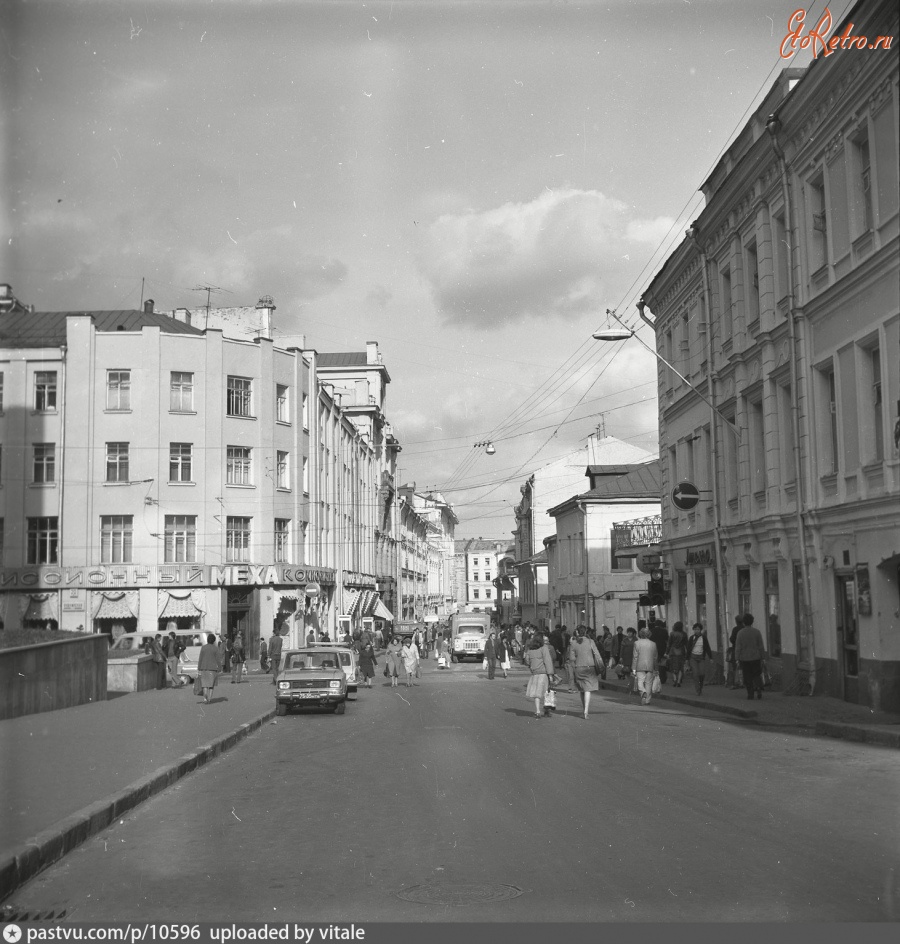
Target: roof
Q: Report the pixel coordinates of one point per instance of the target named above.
(620, 483)
(48, 328)
(344, 359)
(474, 545)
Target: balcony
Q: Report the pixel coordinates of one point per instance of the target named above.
(637, 533)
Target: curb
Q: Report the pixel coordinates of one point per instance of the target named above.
(745, 713)
(47, 847)
(859, 732)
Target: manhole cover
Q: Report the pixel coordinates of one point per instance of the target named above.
(458, 894)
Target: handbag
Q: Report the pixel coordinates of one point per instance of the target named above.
(656, 685)
(484, 663)
(550, 699)
(442, 662)
(198, 686)
(765, 677)
(386, 672)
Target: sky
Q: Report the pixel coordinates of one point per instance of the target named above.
(471, 184)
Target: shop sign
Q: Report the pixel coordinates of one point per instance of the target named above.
(702, 556)
(104, 576)
(354, 578)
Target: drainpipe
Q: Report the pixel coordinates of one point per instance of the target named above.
(807, 636)
(588, 609)
(721, 599)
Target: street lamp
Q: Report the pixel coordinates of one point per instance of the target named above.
(488, 446)
(622, 333)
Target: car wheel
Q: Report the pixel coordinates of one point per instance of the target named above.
(280, 709)
(339, 709)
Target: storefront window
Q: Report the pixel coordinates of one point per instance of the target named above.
(773, 624)
(743, 589)
(700, 586)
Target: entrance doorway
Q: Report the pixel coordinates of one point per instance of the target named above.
(848, 636)
(237, 620)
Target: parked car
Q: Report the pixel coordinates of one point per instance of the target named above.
(311, 676)
(348, 660)
(190, 639)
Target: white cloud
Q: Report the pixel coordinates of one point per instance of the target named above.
(550, 258)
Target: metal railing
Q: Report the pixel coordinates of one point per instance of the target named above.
(638, 532)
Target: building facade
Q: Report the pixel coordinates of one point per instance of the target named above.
(589, 583)
(782, 308)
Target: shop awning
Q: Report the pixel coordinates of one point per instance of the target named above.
(351, 602)
(382, 612)
(114, 606)
(41, 608)
(179, 606)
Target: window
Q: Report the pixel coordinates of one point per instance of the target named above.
(118, 390)
(281, 470)
(305, 476)
(237, 540)
(239, 403)
(862, 190)
(181, 539)
(238, 466)
(281, 404)
(727, 302)
(617, 563)
(116, 539)
(116, 462)
(43, 540)
(773, 626)
(282, 540)
(475, 594)
(877, 404)
(181, 392)
(305, 409)
(757, 446)
(180, 464)
(475, 576)
(45, 391)
(44, 463)
(700, 591)
(752, 288)
(743, 590)
(487, 593)
(831, 418)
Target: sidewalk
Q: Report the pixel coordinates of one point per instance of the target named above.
(66, 775)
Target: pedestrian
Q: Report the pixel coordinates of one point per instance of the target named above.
(393, 661)
(586, 662)
(626, 653)
(310, 636)
(570, 670)
(677, 654)
(209, 663)
(490, 654)
(237, 658)
(263, 655)
(699, 651)
(732, 680)
(556, 643)
(605, 645)
(618, 639)
(275, 644)
(540, 662)
(660, 636)
(504, 647)
(379, 638)
(366, 659)
(644, 663)
(750, 650)
(173, 650)
(409, 654)
(159, 661)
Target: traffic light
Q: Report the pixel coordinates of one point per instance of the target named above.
(644, 599)
(656, 589)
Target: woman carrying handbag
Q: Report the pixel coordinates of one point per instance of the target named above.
(587, 665)
(540, 662)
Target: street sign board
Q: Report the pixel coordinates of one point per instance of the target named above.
(685, 495)
(647, 560)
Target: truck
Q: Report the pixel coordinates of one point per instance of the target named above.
(468, 634)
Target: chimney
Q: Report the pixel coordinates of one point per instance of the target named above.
(183, 315)
(148, 306)
(266, 307)
(372, 355)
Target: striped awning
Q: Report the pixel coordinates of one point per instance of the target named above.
(351, 602)
(382, 612)
(41, 608)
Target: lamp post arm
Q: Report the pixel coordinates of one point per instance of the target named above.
(678, 373)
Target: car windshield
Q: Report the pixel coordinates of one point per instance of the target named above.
(471, 628)
(312, 660)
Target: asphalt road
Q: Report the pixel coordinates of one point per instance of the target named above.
(450, 802)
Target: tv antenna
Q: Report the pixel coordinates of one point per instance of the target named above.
(209, 289)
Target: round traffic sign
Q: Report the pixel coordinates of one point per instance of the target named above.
(685, 495)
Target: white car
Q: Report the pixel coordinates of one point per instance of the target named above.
(189, 638)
